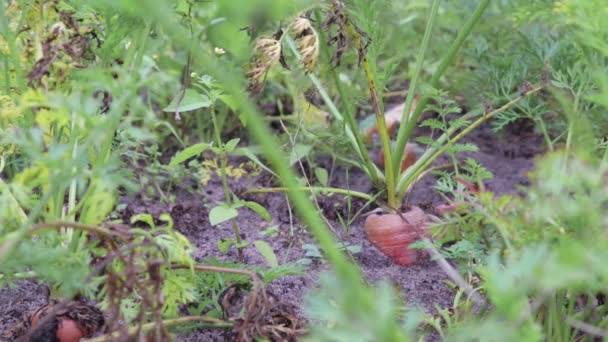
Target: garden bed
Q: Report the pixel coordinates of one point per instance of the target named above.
(508, 155)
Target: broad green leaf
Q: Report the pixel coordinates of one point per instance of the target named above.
(145, 218)
(312, 251)
(221, 214)
(188, 153)
(191, 100)
(247, 152)
(270, 231)
(310, 114)
(299, 152)
(231, 145)
(99, 204)
(224, 245)
(266, 251)
(229, 101)
(241, 244)
(321, 175)
(259, 209)
(167, 218)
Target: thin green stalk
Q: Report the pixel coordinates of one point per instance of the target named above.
(604, 162)
(398, 153)
(339, 191)
(223, 165)
(389, 174)
(268, 143)
(210, 322)
(351, 127)
(135, 46)
(36, 229)
(404, 135)
(7, 76)
(349, 112)
(411, 175)
(73, 184)
(12, 47)
(22, 275)
(261, 133)
(545, 133)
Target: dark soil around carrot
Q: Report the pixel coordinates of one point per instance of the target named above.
(509, 155)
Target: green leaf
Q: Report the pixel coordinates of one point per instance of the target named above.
(312, 251)
(299, 152)
(99, 204)
(271, 231)
(224, 245)
(229, 101)
(266, 251)
(242, 244)
(188, 153)
(321, 175)
(166, 218)
(191, 100)
(433, 123)
(145, 218)
(247, 152)
(221, 214)
(231, 145)
(259, 209)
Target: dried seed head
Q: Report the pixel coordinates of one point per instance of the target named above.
(266, 53)
(307, 42)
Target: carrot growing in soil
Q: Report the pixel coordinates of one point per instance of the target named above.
(392, 234)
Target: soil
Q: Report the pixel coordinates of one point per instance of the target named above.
(509, 155)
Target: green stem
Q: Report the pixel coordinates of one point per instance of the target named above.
(389, 174)
(223, 165)
(14, 55)
(411, 175)
(604, 162)
(22, 275)
(214, 323)
(261, 133)
(545, 133)
(351, 127)
(7, 77)
(340, 191)
(136, 48)
(398, 153)
(405, 133)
